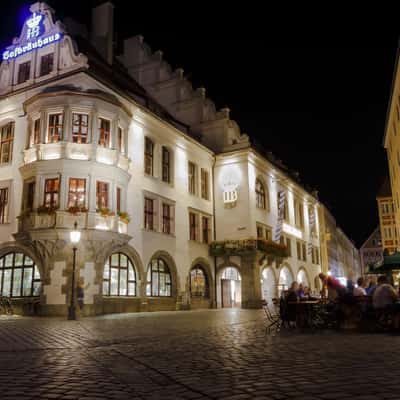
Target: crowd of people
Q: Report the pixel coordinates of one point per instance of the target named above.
(373, 292)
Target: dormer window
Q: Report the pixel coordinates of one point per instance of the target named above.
(104, 132)
(24, 72)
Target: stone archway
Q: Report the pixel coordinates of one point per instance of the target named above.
(285, 279)
(200, 284)
(269, 284)
(302, 277)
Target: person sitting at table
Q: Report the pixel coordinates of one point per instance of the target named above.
(291, 300)
(359, 289)
(385, 300)
(335, 288)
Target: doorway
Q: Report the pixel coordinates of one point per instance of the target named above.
(231, 288)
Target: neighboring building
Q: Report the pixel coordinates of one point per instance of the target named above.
(371, 251)
(340, 257)
(151, 172)
(387, 219)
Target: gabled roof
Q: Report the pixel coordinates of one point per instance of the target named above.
(374, 232)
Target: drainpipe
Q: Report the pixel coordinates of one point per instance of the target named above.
(214, 234)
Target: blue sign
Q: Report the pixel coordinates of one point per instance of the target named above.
(33, 32)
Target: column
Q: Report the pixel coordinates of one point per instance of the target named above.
(251, 285)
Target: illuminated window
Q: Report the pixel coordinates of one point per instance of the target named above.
(6, 142)
(3, 205)
(102, 195)
(77, 193)
(299, 214)
(51, 192)
(46, 64)
(148, 156)
(191, 177)
(149, 214)
(104, 132)
(24, 71)
(204, 184)
(55, 133)
(166, 165)
(35, 133)
(198, 282)
(260, 194)
(158, 279)
(119, 276)
(80, 128)
(19, 276)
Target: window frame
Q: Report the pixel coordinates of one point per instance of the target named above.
(104, 134)
(165, 164)
(4, 204)
(119, 267)
(166, 273)
(102, 193)
(80, 137)
(54, 193)
(46, 64)
(55, 126)
(149, 214)
(260, 195)
(148, 156)
(192, 178)
(23, 74)
(76, 193)
(206, 294)
(205, 184)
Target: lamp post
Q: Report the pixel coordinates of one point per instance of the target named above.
(75, 237)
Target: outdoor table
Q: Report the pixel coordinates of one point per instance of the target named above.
(304, 311)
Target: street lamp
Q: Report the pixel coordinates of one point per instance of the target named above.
(75, 237)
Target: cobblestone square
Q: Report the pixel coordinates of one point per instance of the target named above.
(214, 354)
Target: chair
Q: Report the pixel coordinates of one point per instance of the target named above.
(273, 319)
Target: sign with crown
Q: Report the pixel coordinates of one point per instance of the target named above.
(34, 36)
(230, 194)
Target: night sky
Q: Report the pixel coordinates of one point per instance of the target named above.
(316, 98)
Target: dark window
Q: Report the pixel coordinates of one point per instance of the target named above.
(119, 277)
(24, 71)
(166, 164)
(148, 156)
(77, 193)
(204, 184)
(192, 178)
(206, 228)
(198, 282)
(260, 194)
(118, 199)
(102, 194)
(149, 214)
(55, 133)
(19, 276)
(46, 64)
(158, 279)
(6, 144)
(80, 128)
(167, 218)
(193, 224)
(304, 251)
(120, 140)
(3, 205)
(51, 192)
(104, 132)
(260, 232)
(30, 195)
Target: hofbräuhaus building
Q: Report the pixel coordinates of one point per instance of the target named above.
(176, 208)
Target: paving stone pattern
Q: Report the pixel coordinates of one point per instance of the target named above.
(215, 354)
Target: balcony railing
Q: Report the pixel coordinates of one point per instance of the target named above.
(65, 220)
(75, 151)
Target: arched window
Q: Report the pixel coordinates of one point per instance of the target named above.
(198, 282)
(302, 277)
(158, 279)
(260, 194)
(19, 276)
(119, 277)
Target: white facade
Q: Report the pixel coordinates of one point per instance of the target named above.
(92, 147)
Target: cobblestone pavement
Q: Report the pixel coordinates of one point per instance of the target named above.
(215, 354)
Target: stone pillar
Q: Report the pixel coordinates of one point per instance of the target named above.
(251, 286)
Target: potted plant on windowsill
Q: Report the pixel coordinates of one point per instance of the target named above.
(105, 212)
(77, 210)
(124, 217)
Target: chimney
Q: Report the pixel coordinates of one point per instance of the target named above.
(103, 30)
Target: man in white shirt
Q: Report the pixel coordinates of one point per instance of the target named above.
(359, 290)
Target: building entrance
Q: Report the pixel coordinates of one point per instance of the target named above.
(231, 288)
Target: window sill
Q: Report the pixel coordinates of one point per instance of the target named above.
(172, 235)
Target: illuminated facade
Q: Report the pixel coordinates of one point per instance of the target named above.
(371, 251)
(387, 221)
(151, 172)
